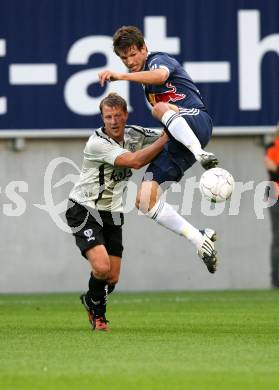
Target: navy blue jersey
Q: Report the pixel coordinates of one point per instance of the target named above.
(179, 89)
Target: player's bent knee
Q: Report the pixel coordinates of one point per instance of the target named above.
(159, 109)
(148, 195)
(99, 260)
(101, 271)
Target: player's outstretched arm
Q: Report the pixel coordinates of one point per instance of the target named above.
(155, 77)
(142, 157)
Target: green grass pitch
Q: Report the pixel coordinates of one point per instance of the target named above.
(168, 340)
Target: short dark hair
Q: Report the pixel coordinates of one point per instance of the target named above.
(113, 100)
(125, 37)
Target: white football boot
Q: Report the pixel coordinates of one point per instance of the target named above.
(206, 250)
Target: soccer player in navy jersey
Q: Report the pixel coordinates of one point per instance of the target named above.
(177, 104)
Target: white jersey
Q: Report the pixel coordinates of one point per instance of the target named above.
(101, 184)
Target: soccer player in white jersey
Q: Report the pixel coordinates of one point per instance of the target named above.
(96, 201)
(178, 105)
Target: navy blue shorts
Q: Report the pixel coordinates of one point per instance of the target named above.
(175, 158)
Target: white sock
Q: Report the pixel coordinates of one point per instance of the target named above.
(182, 132)
(165, 215)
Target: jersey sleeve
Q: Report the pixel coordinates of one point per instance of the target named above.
(161, 61)
(150, 136)
(141, 137)
(103, 150)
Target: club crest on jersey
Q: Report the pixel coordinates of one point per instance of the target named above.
(132, 147)
(167, 96)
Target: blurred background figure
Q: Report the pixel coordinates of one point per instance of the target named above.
(272, 166)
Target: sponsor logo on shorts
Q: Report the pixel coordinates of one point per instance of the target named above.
(89, 234)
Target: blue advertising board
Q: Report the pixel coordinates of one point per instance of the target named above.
(51, 52)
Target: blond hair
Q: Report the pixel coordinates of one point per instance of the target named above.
(113, 100)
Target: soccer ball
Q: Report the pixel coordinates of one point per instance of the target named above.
(216, 185)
